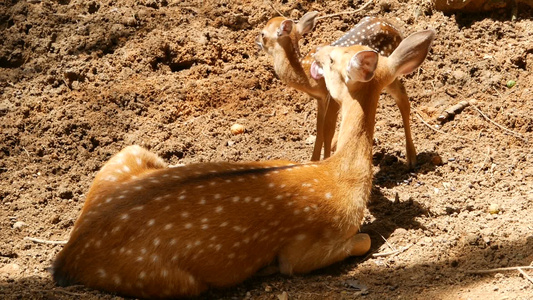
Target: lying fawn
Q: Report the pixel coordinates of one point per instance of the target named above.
(147, 230)
(280, 39)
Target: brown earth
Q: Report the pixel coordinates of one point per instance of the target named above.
(80, 80)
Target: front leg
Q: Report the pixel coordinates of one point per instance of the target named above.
(330, 124)
(307, 253)
(319, 141)
(397, 90)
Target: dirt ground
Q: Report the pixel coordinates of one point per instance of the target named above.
(80, 80)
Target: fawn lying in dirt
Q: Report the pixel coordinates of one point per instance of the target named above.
(150, 231)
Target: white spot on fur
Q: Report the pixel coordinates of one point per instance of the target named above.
(101, 273)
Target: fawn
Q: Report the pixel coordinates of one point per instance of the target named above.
(150, 231)
(280, 39)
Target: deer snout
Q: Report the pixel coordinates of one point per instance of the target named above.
(259, 41)
(316, 71)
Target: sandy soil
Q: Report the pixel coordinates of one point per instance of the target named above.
(80, 80)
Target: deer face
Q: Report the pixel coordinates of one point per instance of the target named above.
(344, 65)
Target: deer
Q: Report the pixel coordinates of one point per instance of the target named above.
(279, 38)
(151, 231)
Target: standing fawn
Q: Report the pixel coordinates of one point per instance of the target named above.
(280, 39)
(156, 232)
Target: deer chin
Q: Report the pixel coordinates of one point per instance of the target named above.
(316, 71)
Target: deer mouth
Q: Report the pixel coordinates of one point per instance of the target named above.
(316, 71)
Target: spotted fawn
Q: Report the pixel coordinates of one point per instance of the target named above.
(280, 39)
(147, 230)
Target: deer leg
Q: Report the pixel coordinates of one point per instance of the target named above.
(330, 124)
(397, 90)
(319, 141)
(128, 164)
(309, 253)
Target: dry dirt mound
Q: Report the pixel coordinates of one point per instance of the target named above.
(80, 80)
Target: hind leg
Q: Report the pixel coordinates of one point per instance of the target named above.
(130, 163)
(397, 90)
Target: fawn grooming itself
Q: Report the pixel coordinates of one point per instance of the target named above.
(156, 232)
(280, 39)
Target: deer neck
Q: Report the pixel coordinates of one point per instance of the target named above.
(289, 68)
(353, 160)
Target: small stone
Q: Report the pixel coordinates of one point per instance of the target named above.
(55, 219)
(19, 225)
(459, 75)
(472, 238)
(454, 263)
(450, 210)
(237, 129)
(66, 194)
(268, 288)
(310, 140)
(436, 160)
(10, 270)
(129, 21)
(494, 209)
(283, 296)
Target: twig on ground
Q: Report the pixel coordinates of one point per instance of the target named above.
(525, 275)
(346, 12)
(26, 151)
(272, 5)
(449, 113)
(518, 135)
(440, 131)
(387, 242)
(427, 124)
(395, 252)
(497, 270)
(40, 241)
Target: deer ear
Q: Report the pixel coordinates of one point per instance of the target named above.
(411, 52)
(307, 22)
(362, 66)
(285, 28)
